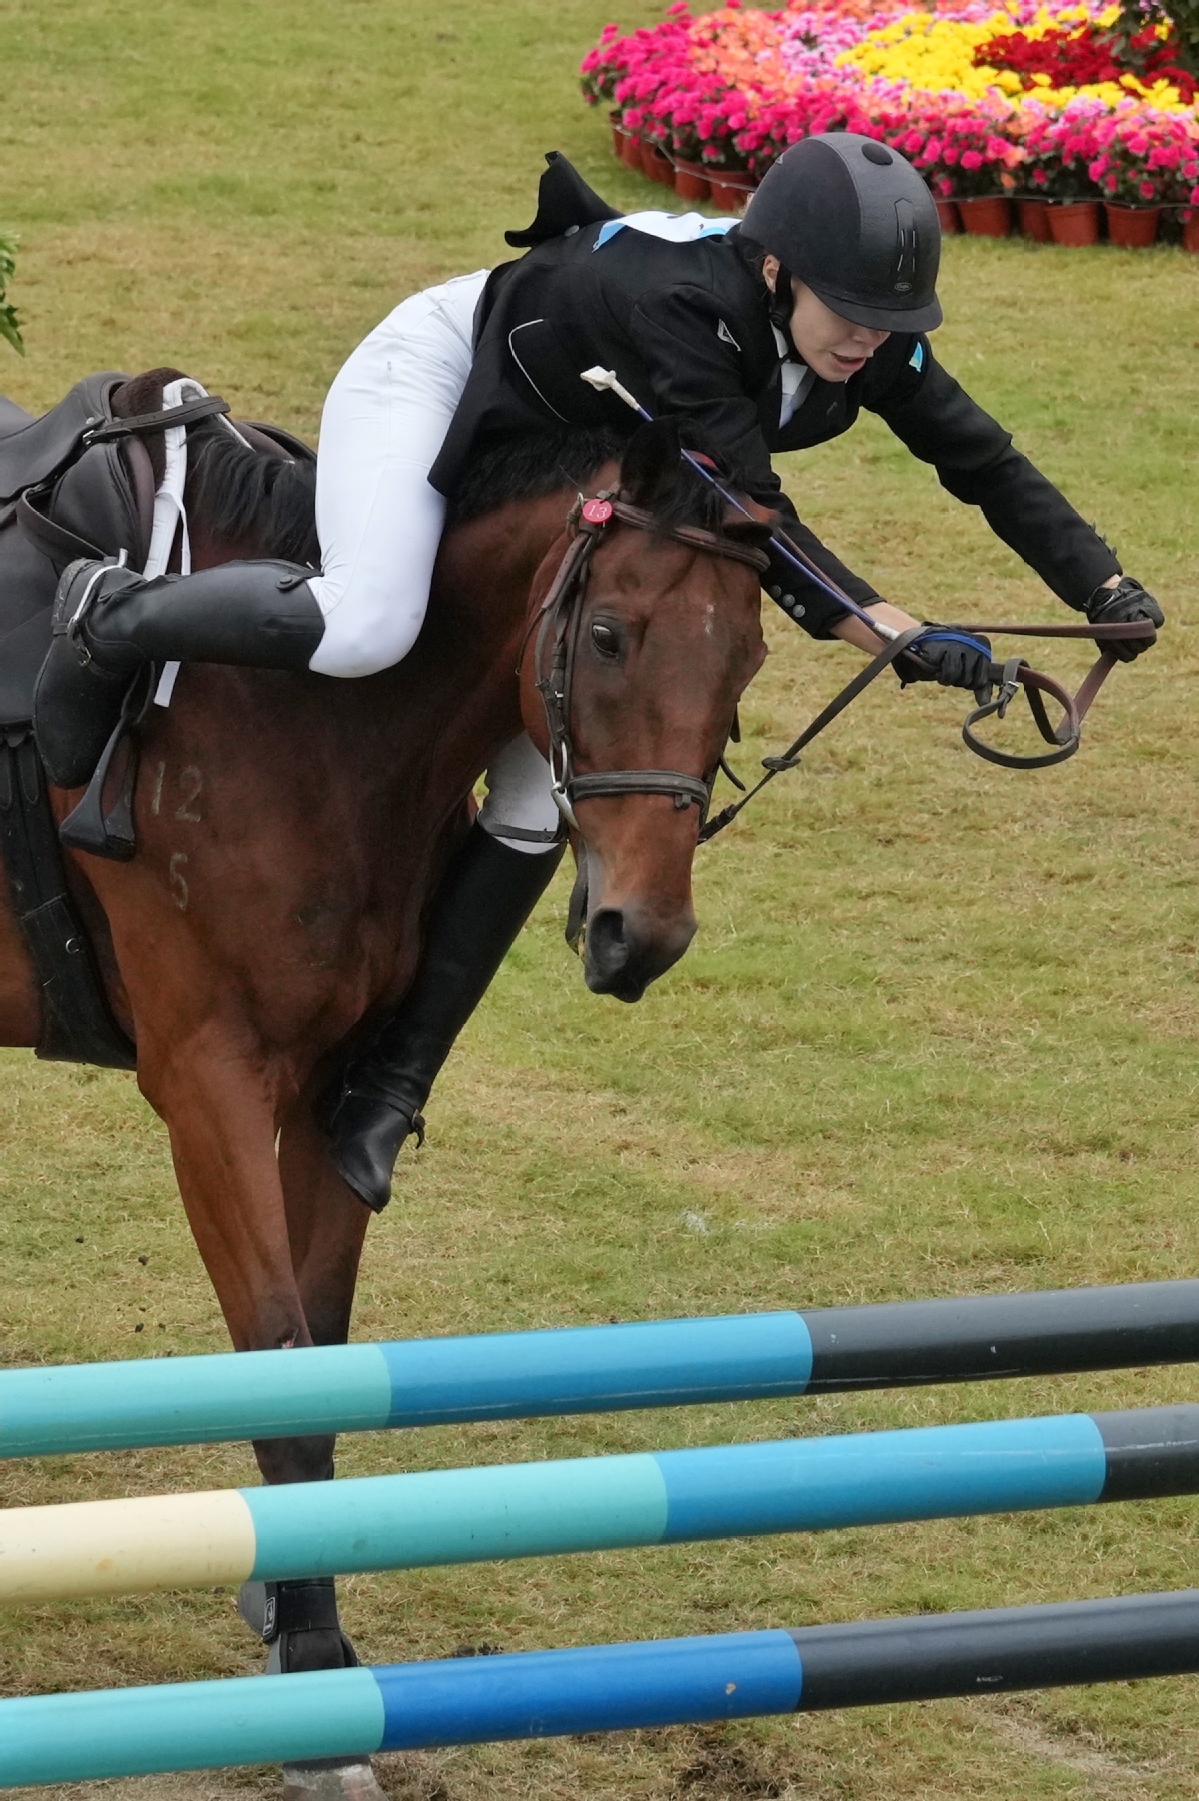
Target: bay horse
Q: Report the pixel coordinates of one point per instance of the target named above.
(292, 828)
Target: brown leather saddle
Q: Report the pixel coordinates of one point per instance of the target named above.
(77, 482)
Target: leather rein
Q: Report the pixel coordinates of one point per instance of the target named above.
(1012, 676)
(558, 621)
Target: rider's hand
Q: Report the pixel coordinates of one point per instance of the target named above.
(953, 662)
(1126, 602)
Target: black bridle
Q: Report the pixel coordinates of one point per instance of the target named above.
(557, 625)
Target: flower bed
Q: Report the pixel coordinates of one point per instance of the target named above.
(984, 98)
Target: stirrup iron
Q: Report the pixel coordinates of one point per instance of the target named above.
(87, 827)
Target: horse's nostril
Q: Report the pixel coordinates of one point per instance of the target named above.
(607, 952)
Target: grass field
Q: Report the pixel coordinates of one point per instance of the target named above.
(936, 1034)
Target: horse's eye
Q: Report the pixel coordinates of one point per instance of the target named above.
(605, 640)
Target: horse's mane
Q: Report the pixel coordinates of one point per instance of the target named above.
(265, 503)
(248, 496)
(537, 464)
(531, 466)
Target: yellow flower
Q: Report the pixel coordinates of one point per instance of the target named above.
(933, 54)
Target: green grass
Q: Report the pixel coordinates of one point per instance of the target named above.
(936, 1034)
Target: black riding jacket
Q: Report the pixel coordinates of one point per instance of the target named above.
(687, 329)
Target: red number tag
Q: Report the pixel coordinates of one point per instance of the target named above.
(597, 512)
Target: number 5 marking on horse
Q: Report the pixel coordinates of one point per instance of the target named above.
(180, 892)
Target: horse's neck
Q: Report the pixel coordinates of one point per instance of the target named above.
(478, 615)
(428, 725)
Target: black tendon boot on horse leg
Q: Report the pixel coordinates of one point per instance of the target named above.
(298, 1621)
(484, 899)
(110, 622)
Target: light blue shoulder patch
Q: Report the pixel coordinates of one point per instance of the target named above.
(673, 228)
(916, 360)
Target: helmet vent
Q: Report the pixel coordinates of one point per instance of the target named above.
(877, 153)
(905, 247)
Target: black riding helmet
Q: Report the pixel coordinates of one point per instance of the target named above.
(854, 222)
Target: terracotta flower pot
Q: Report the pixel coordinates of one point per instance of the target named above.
(691, 180)
(1074, 222)
(951, 222)
(1033, 216)
(630, 149)
(656, 164)
(988, 217)
(731, 189)
(1190, 233)
(1132, 227)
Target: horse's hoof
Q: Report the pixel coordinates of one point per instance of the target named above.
(331, 1780)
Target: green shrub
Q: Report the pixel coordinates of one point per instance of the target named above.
(9, 324)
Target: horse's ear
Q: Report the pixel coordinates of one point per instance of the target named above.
(649, 470)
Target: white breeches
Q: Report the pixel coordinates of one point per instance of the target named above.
(380, 522)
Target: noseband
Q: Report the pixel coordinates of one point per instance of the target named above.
(558, 624)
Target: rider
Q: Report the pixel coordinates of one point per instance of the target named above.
(768, 335)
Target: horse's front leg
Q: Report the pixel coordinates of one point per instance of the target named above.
(219, 1095)
(326, 1225)
(220, 1098)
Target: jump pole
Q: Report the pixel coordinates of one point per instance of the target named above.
(594, 1503)
(600, 1688)
(593, 1369)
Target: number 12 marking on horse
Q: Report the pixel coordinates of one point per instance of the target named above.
(191, 786)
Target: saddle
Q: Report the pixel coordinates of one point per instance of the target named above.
(77, 482)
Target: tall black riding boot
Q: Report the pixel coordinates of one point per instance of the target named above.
(486, 896)
(109, 622)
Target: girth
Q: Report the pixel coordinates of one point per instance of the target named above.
(77, 1023)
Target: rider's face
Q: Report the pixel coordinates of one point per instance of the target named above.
(832, 347)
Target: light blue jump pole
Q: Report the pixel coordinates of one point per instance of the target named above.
(592, 1369)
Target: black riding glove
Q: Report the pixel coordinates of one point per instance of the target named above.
(955, 662)
(1119, 606)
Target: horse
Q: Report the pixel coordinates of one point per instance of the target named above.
(292, 828)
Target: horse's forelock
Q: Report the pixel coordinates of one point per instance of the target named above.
(659, 478)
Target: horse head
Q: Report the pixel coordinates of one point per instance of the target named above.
(645, 634)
